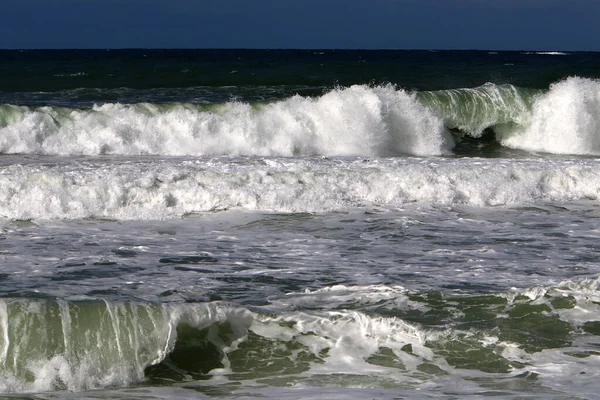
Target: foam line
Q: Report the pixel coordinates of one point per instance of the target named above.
(171, 189)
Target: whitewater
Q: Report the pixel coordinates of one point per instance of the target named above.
(179, 224)
(151, 190)
(356, 121)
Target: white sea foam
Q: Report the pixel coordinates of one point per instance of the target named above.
(381, 296)
(349, 338)
(72, 74)
(160, 190)
(546, 53)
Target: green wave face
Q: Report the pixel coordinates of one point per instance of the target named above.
(57, 345)
(473, 110)
(10, 114)
(372, 335)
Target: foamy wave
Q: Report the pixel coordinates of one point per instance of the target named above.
(337, 296)
(566, 120)
(360, 120)
(59, 345)
(172, 189)
(72, 74)
(563, 120)
(93, 345)
(50, 345)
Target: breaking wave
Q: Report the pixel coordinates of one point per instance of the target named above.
(399, 337)
(355, 121)
(359, 120)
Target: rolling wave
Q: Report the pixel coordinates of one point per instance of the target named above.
(355, 121)
(471, 111)
(566, 120)
(563, 120)
(359, 120)
(403, 338)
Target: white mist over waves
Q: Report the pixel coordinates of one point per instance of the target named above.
(359, 120)
(171, 189)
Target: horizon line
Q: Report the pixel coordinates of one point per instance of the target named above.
(292, 49)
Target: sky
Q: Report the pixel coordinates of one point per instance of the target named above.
(342, 24)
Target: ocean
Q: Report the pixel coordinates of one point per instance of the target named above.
(299, 224)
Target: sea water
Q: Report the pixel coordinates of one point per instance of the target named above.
(299, 224)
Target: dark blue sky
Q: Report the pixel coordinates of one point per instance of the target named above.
(366, 24)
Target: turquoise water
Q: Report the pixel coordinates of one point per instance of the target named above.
(299, 224)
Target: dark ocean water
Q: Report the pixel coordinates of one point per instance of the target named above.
(299, 224)
(198, 75)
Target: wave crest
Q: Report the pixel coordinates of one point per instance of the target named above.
(356, 121)
(359, 120)
(473, 110)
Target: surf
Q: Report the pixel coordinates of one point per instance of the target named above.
(400, 337)
(360, 120)
(170, 189)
